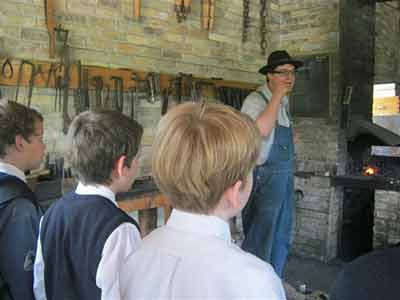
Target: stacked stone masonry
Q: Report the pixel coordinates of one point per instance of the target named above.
(105, 33)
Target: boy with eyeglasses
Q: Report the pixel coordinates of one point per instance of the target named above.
(21, 149)
(267, 217)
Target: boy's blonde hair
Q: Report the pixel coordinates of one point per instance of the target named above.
(199, 151)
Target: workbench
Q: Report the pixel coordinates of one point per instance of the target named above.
(144, 198)
(146, 204)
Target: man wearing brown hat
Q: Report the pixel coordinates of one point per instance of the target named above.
(267, 218)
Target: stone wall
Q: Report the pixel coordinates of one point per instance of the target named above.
(386, 218)
(387, 203)
(311, 27)
(105, 33)
(386, 42)
(318, 203)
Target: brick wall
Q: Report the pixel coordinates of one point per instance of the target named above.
(387, 203)
(386, 218)
(387, 41)
(104, 33)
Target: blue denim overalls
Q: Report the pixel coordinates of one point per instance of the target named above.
(267, 217)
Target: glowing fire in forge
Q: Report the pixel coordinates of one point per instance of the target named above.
(369, 171)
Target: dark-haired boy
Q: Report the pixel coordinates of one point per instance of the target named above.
(84, 237)
(21, 149)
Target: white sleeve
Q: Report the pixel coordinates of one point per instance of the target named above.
(38, 271)
(253, 105)
(122, 242)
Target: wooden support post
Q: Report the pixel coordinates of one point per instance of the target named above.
(136, 9)
(50, 24)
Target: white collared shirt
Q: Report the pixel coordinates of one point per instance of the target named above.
(12, 170)
(192, 257)
(121, 243)
(254, 105)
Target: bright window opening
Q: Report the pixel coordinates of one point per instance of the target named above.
(386, 113)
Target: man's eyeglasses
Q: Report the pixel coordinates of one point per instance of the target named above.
(284, 73)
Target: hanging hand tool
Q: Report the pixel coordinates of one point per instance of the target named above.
(178, 89)
(50, 24)
(132, 94)
(78, 93)
(7, 70)
(52, 74)
(63, 36)
(187, 7)
(178, 9)
(106, 103)
(136, 9)
(31, 83)
(85, 103)
(65, 87)
(118, 92)
(246, 20)
(208, 12)
(57, 86)
(97, 82)
(263, 26)
(211, 15)
(205, 10)
(153, 81)
(165, 100)
(21, 74)
(182, 9)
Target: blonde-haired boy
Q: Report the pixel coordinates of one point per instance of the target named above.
(202, 161)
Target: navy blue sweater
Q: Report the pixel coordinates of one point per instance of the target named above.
(73, 233)
(374, 276)
(19, 223)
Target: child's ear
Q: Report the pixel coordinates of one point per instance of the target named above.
(119, 166)
(19, 142)
(233, 196)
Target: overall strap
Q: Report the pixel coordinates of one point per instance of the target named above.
(263, 96)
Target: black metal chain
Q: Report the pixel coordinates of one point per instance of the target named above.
(263, 26)
(246, 19)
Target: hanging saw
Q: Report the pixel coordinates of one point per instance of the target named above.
(49, 15)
